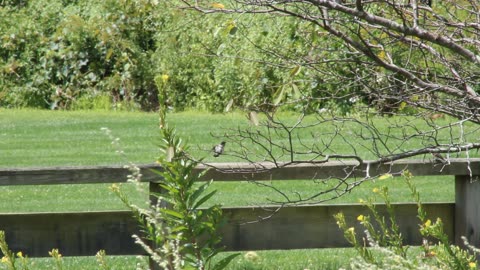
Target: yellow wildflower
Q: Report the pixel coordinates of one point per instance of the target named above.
(375, 190)
(164, 78)
(430, 254)
(472, 265)
(54, 253)
(428, 223)
(361, 218)
(114, 188)
(5, 259)
(20, 254)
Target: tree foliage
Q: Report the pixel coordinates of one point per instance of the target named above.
(308, 55)
(393, 53)
(352, 61)
(66, 54)
(55, 52)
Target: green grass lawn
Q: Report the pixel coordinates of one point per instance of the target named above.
(89, 263)
(325, 259)
(96, 197)
(312, 259)
(32, 138)
(36, 138)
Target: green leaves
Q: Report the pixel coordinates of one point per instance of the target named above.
(74, 50)
(172, 215)
(289, 89)
(63, 55)
(383, 245)
(222, 264)
(181, 220)
(181, 231)
(193, 201)
(203, 200)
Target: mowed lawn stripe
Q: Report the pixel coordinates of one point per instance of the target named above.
(35, 138)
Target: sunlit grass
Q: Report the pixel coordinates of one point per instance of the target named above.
(50, 138)
(325, 259)
(296, 259)
(33, 138)
(90, 262)
(251, 194)
(65, 198)
(98, 197)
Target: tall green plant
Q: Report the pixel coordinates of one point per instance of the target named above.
(179, 232)
(382, 246)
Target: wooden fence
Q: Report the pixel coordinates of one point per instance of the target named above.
(84, 233)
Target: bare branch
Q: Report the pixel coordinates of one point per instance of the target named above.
(410, 59)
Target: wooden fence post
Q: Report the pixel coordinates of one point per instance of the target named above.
(467, 210)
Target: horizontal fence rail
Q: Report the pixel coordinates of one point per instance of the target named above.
(78, 234)
(235, 172)
(291, 227)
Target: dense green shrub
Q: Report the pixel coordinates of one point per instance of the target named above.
(54, 52)
(60, 54)
(381, 245)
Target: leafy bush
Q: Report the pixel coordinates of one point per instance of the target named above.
(55, 53)
(382, 246)
(179, 233)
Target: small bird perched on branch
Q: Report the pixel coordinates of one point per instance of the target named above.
(218, 149)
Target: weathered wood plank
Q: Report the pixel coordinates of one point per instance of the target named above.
(467, 210)
(79, 234)
(292, 227)
(340, 169)
(74, 234)
(314, 226)
(231, 172)
(63, 175)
